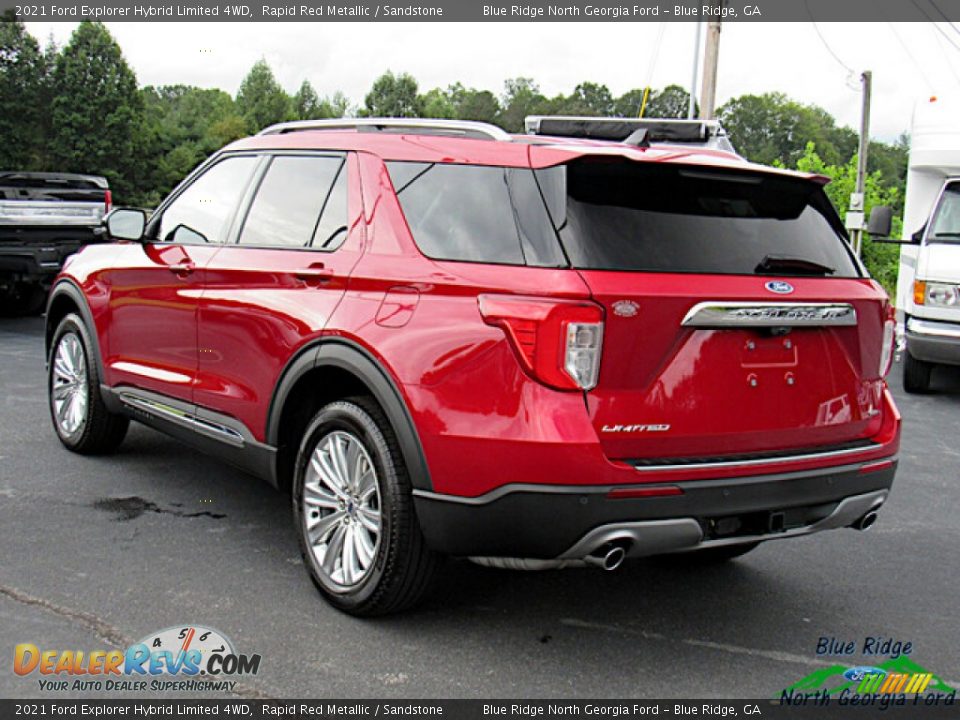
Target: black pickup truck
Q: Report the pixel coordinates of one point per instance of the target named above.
(44, 217)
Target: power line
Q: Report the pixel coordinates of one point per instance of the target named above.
(916, 64)
(830, 49)
(944, 16)
(934, 23)
(946, 58)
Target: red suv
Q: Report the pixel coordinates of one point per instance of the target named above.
(601, 339)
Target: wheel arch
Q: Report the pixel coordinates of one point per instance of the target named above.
(66, 297)
(332, 369)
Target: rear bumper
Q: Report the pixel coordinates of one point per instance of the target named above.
(550, 522)
(31, 253)
(933, 341)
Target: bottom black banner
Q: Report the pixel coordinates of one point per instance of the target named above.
(471, 709)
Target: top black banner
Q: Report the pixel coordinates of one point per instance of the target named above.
(487, 10)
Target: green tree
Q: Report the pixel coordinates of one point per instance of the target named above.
(22, 94)
(394, 96)
(881, 259)
(589, 99)
(521, 97)
(458, 102)
(438, 103)
(306, 102)
(671, 102)
(261, 101)
(97, 112)
(479, 105)
(185, 124)
(772, 127)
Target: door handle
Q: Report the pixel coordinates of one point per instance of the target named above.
(182, 269)
(314, 274)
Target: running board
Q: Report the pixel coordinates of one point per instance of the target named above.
(180, 417)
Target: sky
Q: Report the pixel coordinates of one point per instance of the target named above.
(817, 64)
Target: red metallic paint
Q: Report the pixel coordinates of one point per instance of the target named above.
(230, 326)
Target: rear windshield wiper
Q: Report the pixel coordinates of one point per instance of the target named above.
(792, 265)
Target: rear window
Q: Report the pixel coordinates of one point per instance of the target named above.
(476, 213)
(615, 215)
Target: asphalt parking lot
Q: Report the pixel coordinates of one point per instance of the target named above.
(98, 552)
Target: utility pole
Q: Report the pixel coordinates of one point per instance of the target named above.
(855, 213)
(711, 52)
(692, 107)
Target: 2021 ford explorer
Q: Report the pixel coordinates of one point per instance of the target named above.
(597, 340)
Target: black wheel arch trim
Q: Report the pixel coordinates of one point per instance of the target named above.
(352, 357)
(67, 287)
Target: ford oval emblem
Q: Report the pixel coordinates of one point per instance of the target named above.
(780, 287)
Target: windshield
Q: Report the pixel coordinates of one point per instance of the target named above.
(945, 227)
(621, 215)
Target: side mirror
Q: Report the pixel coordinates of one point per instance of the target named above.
(126, 224)
(880, 222)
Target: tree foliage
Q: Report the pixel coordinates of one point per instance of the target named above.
(261, 101)
(881, 259)
(394, 96)
(79, 109)
(97, 110)
(23, 74)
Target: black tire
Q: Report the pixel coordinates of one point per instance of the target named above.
(99, 431)
(916, 374)
(402, 568)
(714, 555)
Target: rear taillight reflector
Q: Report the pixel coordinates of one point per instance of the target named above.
(107, 201)
(889, 341)
(557, 341)
(662, 491)
(875, 466)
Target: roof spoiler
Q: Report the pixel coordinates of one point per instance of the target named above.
(638, 131)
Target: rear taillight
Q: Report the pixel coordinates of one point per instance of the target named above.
(107, 201)
(557, 341)
(889, 341)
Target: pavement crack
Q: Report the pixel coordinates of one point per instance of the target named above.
(107, 632)
(100, 628)
(130, 508)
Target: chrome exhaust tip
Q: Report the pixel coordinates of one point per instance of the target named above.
(866, 522)
(608, 557)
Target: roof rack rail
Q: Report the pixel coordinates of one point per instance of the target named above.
(426, 126)
(706, 133)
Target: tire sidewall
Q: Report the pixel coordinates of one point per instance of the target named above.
(72, 324)
(351, 418)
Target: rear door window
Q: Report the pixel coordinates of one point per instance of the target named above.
(291, 203)
(476, 213)
(615, 215)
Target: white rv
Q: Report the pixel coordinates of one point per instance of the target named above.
(928, 288)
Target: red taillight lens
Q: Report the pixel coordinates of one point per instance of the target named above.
(557, 341)
(107, 201)
(889, 341)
